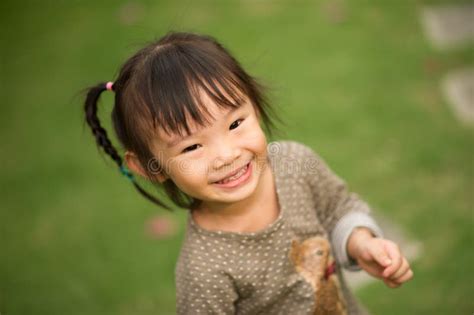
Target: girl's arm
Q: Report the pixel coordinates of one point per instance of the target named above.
(339, 210)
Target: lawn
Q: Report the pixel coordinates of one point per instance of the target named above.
(358, 82)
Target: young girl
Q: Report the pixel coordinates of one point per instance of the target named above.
(270, 225)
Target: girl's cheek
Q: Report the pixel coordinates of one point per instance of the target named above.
(255, 139)
(251, 130)
(191, 168)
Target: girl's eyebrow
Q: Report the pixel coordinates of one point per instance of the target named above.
(178, 139)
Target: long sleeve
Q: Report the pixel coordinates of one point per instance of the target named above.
(338, 209)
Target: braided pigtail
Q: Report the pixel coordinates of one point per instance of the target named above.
(103, 141)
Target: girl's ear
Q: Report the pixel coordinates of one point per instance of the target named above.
(134, 165)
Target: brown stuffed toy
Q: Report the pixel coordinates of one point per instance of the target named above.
(312, 259)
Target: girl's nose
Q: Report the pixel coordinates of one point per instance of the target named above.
(226, 155)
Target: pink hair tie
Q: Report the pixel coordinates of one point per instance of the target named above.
(109, 85)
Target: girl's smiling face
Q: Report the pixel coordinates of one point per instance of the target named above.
(232, 144)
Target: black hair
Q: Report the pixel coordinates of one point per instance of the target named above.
(158, 86)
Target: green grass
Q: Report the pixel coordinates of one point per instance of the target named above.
(364, 93)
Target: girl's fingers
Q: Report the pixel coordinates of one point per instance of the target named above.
(380, 255)
(373, 269)
(401, 271)
(405, 277)
(393, 252)
(391, 284)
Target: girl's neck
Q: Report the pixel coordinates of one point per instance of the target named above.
(237, 216)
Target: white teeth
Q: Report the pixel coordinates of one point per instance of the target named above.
(234, 177)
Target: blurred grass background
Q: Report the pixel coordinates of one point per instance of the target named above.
(356, 80)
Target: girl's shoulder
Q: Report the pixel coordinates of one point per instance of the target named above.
(291, 148)
(292, 159)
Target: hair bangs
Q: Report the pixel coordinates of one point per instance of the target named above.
(175, 84)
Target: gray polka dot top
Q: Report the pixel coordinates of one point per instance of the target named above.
(291, 267)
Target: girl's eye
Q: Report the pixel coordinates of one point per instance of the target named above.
(235, 124)
(191, 148)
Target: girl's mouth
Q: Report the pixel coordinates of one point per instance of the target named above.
(239, 178)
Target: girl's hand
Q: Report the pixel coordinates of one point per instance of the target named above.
(381, 258)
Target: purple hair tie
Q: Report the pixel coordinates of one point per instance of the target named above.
(109, 86)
